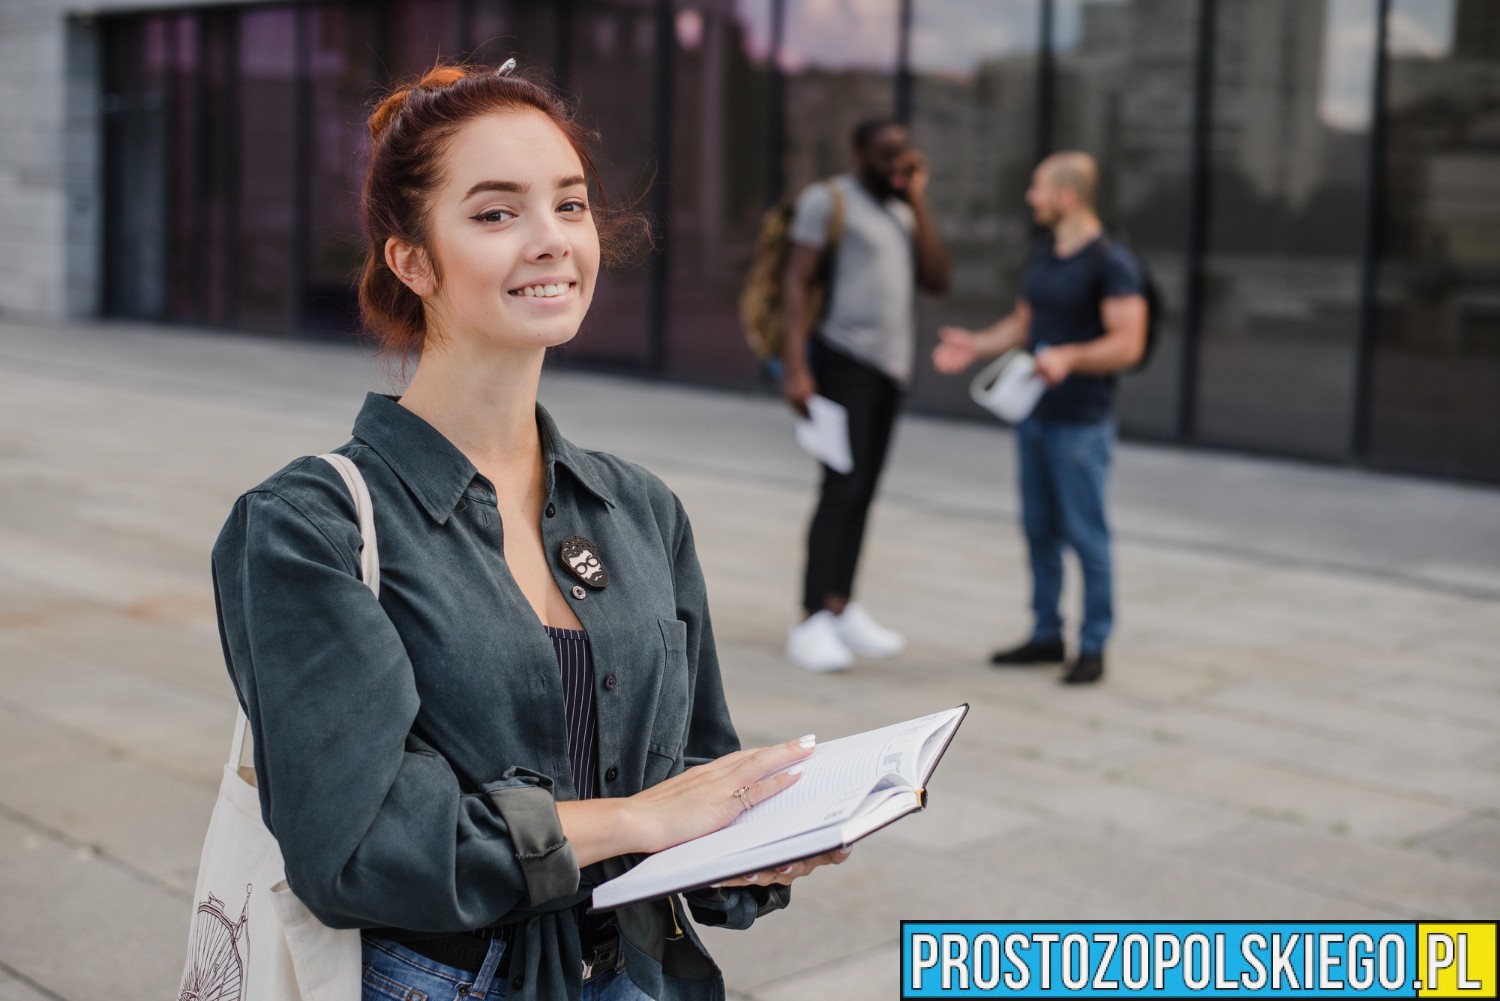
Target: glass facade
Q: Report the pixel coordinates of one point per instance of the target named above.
(1289, 144)
(1434, 390)
(719, 131)
(973, 71)
(1313, 184)
(1123, 87)
(614, 69)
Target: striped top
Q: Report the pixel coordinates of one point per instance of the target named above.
(576, 661)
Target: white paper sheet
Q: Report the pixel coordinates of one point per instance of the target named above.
(824, 434)
(1009, 387)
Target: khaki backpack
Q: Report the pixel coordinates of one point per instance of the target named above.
(760, 297)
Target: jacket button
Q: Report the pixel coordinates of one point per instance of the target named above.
(517, 982)
(612, 774)
(579, 592)
(551, 511)
(610, 681)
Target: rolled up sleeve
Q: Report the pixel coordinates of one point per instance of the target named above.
(736, 908)
(524, 800)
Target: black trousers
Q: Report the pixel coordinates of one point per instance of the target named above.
(838, 526)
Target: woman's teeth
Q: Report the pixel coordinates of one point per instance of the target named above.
(544, 291)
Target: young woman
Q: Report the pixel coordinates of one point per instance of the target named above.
(534, 698)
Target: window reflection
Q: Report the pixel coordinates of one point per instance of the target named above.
(1123, 91)
(719, 131)
(234, 136)
(267, 170)
(422, 33)
(184, 278)
(974, 69)
(840, 64)
(522, 29)
(134, 130)
(341, 66)
(612, 60)
(1288, 149)
(1435, 389)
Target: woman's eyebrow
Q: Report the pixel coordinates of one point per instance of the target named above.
(520, 187)
(515, 187)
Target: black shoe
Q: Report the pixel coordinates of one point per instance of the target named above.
(1030, 652)
(1087, 669)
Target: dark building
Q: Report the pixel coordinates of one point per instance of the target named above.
(1315, 184)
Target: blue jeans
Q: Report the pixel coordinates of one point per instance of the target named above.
(1063, 469)
(394, 972)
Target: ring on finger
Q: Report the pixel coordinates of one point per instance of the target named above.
(743, 795)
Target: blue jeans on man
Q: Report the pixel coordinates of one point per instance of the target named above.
(1063, 468)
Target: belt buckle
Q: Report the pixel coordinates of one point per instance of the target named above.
(604, 959)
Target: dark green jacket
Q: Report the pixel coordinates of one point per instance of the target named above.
(411, 750)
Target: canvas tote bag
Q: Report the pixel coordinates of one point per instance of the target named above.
(250, 938)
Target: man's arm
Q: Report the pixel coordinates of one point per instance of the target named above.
(802, 267)
(934, 270)
(1121, 346)
(958, 348)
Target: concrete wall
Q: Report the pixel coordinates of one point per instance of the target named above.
(34, 184)
(51, 195)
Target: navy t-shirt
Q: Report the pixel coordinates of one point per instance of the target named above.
(1064, 295)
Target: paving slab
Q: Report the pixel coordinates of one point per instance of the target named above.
(1298, 720)
(1417, 885)
(64, 899)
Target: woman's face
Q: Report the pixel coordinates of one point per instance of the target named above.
(512, 234)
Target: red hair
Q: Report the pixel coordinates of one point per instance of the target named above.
(410, 130)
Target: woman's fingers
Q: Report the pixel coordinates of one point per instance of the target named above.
(792, 870)
(759, 791)
(706, 797)
(762, 761)
(773, 759)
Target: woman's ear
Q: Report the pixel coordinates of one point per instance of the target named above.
(410, 264)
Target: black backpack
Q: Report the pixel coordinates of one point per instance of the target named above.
(1151, 293)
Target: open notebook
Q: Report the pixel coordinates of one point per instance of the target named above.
(850, 787)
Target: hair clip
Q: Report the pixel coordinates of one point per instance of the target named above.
(506, 67)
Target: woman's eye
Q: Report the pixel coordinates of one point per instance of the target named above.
(494, 215)
(573, 206)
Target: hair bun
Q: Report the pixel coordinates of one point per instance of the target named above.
(441, 76)
(380, 118)
(434, 79)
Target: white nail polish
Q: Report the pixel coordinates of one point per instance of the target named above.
(809, 740)
(794, 770)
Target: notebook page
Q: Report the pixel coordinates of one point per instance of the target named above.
(837, 776)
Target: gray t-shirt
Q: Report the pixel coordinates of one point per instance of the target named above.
(872, 312)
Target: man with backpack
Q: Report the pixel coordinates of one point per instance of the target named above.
(869, 239)
(1084, 314)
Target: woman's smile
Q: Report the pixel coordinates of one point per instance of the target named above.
(547, 292)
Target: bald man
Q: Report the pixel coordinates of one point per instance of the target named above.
(1082, 313)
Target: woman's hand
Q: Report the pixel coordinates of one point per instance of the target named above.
(790, 871)
(705, 798)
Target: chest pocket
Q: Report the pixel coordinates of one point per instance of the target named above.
(669, 723)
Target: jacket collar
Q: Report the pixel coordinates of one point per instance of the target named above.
(437, 473)
(559, 451)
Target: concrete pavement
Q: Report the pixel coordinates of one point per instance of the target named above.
(1300, 719)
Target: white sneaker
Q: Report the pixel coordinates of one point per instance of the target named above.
(866, 637)
(814, 645)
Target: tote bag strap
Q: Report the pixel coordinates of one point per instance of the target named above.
(240, 750)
